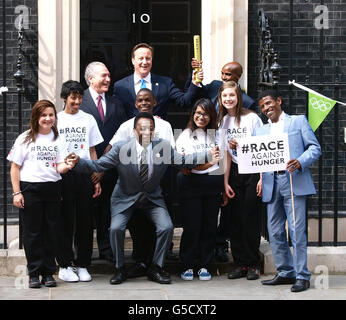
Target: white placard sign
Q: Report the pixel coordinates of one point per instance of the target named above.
(263, 153)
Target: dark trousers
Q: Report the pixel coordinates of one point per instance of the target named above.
(199, 220)
(41, 218)
(142, 230)
(245, 218)
(77, 216)
(223, 232)
(200, 199)
(102, 213)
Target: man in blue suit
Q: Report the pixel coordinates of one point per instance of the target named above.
(304, 150)
(109, 114)
(163, 88)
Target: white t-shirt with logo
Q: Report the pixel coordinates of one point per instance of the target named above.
(79, 131)
(228, 130)
(163, 130)
(38, 159)
(198, 141)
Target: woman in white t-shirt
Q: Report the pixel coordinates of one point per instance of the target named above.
(37, 159)
(236, 122)
(200, 192)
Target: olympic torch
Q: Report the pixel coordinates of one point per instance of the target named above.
(197, 52)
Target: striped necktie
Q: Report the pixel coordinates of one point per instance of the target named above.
(144, 167)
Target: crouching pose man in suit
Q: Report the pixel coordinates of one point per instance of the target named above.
(141, 163)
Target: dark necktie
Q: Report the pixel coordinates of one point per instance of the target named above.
(144, 168)
(100, 108)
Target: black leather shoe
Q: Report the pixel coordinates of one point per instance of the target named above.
(119, 276)
(48, 281)
(300, 285)
(277, 280)
(157, 274)
(253, 273)
(139, 269)
(34, 282)
(239, 272)
(221, 254)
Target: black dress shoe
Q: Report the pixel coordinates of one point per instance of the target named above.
(34, 282)
(277, 280)
(48, 281)
(139, 269)
(253, 273)
(157, 274)
(119, 276)
(221, 254)
(300, 285)
(239, 272)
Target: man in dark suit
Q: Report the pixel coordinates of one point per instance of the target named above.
(163, 88)
(141, 163)
(231, 71)
(109, 114)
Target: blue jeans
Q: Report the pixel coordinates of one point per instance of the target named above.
(279, 210)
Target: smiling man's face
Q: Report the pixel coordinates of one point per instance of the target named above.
(271, 108)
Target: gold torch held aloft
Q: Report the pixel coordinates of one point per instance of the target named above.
(197, 52)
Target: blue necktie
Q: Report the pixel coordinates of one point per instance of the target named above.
(143, 85)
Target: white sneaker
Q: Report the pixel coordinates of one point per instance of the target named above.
(83, 274)
(67, 275)
(204, 274)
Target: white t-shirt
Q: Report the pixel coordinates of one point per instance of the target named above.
(38, 159)
(79, 131)
(190, 142)
(229, 130)
(163, 130)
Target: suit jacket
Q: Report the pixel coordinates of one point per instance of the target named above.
(304, 147)
(115, 116)
(164, 91)
(129, 188)
(211, 90)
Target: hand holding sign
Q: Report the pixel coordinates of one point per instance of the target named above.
(293, 165)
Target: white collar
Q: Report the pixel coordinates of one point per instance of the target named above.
(137, 78)
(95, 95)
(281, 118)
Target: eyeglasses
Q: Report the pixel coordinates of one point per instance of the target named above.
(204, 115)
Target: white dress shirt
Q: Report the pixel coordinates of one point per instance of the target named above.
(277, 128)
(95, 97)
(138, 83)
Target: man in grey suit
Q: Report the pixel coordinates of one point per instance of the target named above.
(141, 163)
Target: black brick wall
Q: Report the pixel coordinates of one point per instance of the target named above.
(29, 67)
(306, 46)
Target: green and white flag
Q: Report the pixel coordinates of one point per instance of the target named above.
(319, 106)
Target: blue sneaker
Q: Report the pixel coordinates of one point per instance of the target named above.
(204, 274)
(187, 275)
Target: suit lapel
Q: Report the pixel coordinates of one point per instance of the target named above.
(131, 86)
(109, 109)
(90, 105)
(287, 122)
(154, 85)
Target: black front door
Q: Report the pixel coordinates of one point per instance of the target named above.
(110, 29)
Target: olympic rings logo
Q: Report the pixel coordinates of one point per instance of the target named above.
(321, 105)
